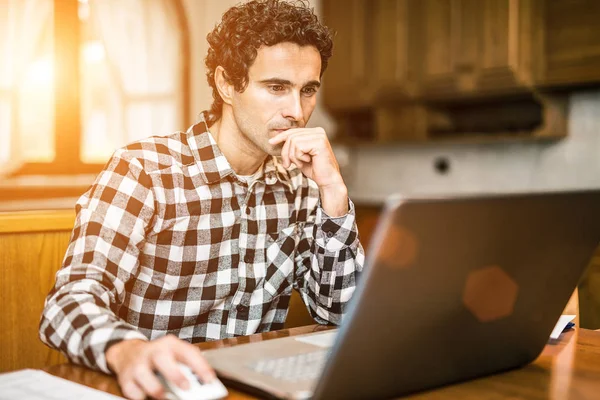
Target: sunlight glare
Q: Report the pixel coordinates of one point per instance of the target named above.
(40, 73)
(93, 52)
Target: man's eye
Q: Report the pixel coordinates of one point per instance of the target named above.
(276, 88)
(309, 90)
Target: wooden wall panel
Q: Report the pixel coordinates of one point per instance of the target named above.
(28, 263)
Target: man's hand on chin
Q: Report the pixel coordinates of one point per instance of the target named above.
(309, 149)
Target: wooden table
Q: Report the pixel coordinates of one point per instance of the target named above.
(568, 369)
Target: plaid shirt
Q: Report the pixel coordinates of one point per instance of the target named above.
(169, 240)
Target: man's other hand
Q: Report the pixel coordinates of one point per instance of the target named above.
(135, 362)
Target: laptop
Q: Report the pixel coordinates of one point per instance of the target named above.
(453, 289)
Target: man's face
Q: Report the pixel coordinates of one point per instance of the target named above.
(281, 93)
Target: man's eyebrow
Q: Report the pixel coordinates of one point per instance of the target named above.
(313, 83)
(285, 82)
(276, 81)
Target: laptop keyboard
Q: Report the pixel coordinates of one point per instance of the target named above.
(295, 368)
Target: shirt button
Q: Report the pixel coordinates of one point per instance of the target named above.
(247, 259)
(248, 211)
(329, 234)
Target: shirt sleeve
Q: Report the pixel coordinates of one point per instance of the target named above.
(79, 317)
(329, 259)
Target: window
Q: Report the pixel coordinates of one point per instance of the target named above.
(80, 78)
(26, 83)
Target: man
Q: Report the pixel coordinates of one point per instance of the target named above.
(202, 235)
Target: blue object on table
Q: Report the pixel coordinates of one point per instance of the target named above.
(569, 326)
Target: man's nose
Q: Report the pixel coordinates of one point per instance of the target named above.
(293, 108)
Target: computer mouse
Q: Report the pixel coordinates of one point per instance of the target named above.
(213, 390)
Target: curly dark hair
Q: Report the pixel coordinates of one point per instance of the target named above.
(234, 43)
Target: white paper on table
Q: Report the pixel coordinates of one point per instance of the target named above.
(560, 325)
(325, 340)
(32, 384)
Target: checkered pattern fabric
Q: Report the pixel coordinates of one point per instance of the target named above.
(169, 240)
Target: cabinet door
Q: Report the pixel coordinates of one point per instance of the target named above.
(508, 37)
(474, 48)
(396, 50)
(447, 48)
(570, 49)
(347, 81)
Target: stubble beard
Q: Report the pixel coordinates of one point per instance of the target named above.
(261, 141)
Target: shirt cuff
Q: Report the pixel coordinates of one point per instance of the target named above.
(336, 233)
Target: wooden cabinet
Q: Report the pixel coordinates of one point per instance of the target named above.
(395, 51)
(569, 52)
(423, 69)
(475, 48)
(398, 50)
(347, 82)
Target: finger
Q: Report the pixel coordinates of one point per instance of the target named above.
(302, 141)
(283, 136)
(191, 356)
(146, 380)
(294, 160)
(296, 153)
(166, 363)
(309, 138)
(302, 156)
(279, 138)
(293, 149)
(285, 151)
(131, 390)
(305, 147)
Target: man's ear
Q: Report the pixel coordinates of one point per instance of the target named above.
(224, 87)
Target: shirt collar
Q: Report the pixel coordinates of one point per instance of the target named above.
(214, 167)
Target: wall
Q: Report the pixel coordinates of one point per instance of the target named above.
(572, 162)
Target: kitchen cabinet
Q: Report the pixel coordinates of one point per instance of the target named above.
(429, 69)
(347, 81)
